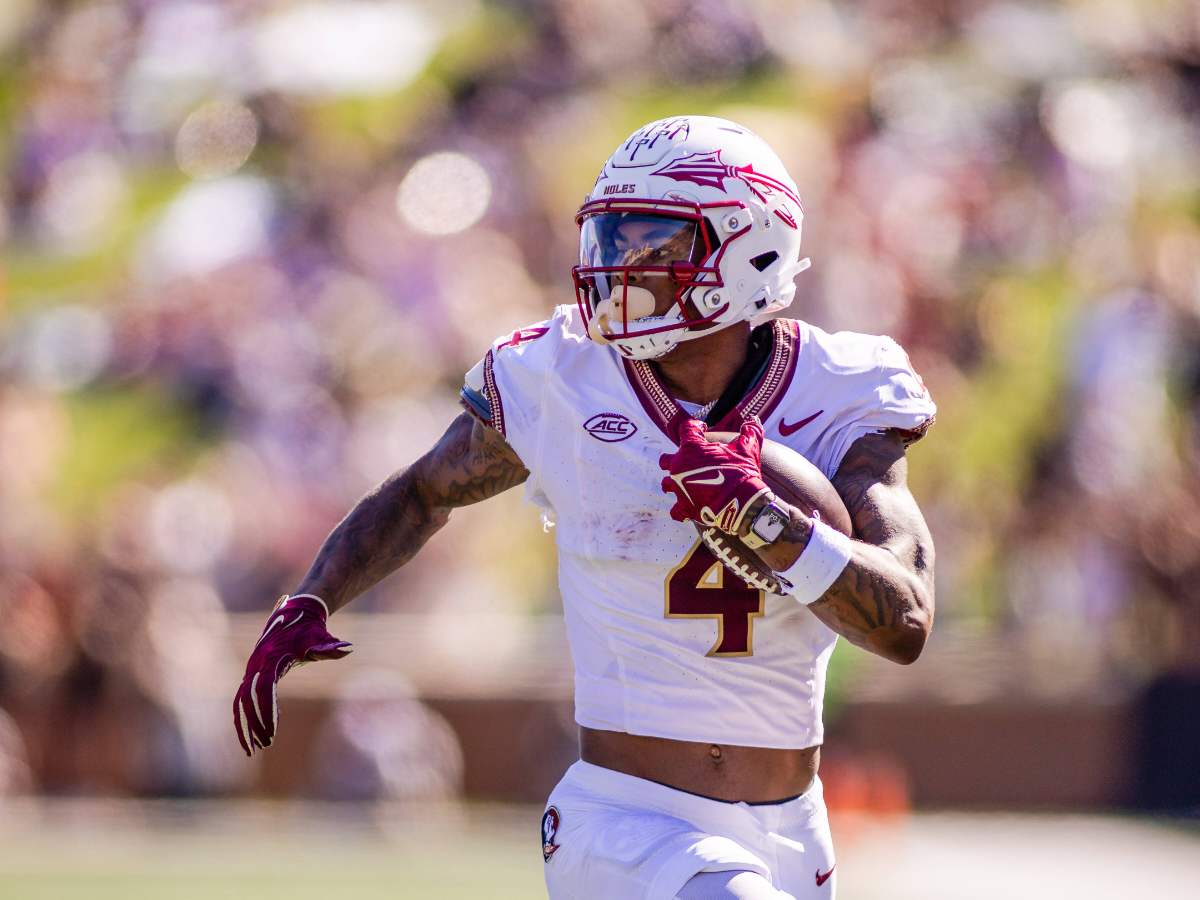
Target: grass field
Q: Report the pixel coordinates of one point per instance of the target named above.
(103, 850)
(185, 851)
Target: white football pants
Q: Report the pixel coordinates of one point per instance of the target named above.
(611, 836)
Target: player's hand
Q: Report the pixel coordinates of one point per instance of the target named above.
(714, 483)
(294, 634)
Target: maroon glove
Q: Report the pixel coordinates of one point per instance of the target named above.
(714, 483)
(294, 634)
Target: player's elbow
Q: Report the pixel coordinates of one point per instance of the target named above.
(905, 648)
(906, 640)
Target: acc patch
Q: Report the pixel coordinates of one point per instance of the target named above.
(610, 427)
(550, 823)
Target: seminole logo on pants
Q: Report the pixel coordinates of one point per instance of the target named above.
(550, 822)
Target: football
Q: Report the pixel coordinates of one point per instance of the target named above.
(798, 483)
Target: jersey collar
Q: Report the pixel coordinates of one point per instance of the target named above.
(760, 400)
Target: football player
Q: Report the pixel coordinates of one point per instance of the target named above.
(698, 695)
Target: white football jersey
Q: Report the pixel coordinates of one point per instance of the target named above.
(665, 641)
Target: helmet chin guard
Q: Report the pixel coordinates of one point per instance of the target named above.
(693, 225)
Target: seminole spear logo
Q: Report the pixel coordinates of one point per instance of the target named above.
(707, 170)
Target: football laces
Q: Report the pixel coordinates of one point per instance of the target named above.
(724, 551)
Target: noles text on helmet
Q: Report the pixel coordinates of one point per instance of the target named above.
(693, 224)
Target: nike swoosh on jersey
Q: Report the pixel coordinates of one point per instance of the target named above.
(821, 879)
(785, 429)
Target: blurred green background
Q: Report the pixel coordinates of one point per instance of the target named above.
(251, 247)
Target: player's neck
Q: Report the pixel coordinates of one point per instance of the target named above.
(698, 371)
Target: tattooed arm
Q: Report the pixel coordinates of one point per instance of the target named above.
(883, 600)
(470, 462)
(384, 530)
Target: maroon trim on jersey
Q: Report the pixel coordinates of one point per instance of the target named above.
(760, 400)
(651, 394)
(493, 395)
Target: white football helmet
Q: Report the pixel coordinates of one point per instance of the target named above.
(702, 211)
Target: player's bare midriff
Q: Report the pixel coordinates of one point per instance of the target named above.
(720, 771)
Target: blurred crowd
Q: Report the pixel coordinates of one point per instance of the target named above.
(251, 247)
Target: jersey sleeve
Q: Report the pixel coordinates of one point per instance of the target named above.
(888, 396)
(504, 390)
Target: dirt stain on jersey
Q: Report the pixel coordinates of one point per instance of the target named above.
(632, 532)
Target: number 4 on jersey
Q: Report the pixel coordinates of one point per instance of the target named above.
(700, 588)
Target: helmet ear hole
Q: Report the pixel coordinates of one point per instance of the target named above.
(763, 260)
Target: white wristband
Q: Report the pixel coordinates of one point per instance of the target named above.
(825, 556)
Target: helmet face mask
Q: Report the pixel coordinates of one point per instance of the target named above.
(690, 243)
(639, 266)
